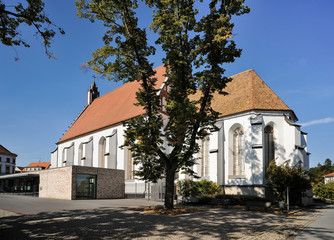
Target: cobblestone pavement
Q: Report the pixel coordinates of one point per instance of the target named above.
(123, 223)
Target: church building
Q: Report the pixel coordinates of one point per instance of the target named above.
(255, 127)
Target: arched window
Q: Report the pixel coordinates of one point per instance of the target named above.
(102, 152)
(203, 167)
(269, 145)
(238, 152)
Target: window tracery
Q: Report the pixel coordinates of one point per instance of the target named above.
(269, 145)
(238, 150)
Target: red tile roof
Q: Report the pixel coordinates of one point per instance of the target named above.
(112, 108)
(44, 165)
(5, 151)
(329, 175)
(247, 91)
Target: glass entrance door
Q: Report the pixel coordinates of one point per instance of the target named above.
(86, 186)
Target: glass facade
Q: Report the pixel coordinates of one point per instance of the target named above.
(25, 185)
(86, 186)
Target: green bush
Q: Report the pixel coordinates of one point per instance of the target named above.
(282, 176)
(324, 191)
(187, 188)
(190, 188)
(206, 187)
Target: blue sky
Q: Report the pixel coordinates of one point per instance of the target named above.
(288, 43)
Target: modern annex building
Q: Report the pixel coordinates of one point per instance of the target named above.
(255, 127)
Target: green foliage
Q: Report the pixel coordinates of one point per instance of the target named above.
(324, 191)
(13, 15)
(203, 188)
(283, 176)
(187, 188)
(317, 173)
(188, 39)
(206, 187)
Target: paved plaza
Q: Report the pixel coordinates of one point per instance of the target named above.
(29, 218)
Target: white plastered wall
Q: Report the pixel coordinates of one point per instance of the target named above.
(95, 137)
(286, 137)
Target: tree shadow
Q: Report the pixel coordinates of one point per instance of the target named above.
(104, 223)
(316, 233)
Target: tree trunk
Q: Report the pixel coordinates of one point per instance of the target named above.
(169, 193)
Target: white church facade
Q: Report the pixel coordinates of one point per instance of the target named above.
(255, 127)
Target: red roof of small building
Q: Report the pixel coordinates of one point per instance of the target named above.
(5, 151)
(329, 175)
(44, 165)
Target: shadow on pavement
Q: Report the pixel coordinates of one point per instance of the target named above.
(317, 233)
(106, 223)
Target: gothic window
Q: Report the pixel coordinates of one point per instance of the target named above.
(238, 150)
(203, 168)
(269, 145)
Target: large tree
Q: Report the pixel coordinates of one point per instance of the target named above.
(29, 12)
(195, 46)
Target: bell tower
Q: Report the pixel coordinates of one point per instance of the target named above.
(92, 93)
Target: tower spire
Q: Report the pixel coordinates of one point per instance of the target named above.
(92, 93)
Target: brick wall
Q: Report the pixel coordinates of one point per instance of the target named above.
(60, 183)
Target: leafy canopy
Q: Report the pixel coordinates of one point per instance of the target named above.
(29, 12)
(195, 45)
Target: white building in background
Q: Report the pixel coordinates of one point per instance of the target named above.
(255, 127)
(7, 161)
(329, 178)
